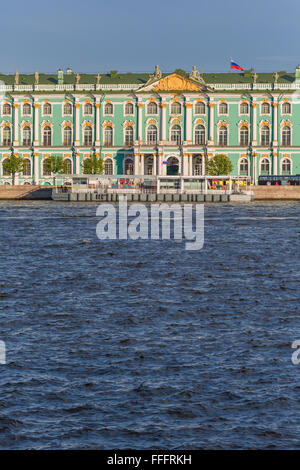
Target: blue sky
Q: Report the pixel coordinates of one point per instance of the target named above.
(99, 36)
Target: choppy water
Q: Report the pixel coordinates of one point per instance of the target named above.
(143, 344)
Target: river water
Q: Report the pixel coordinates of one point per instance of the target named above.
(143, 344)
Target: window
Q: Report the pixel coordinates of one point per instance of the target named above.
(88, 109)
(6, 109)
(5, 172)
(46, 171)
(200, 135)
(47, 136)
(223, 108)
(67, 136)
(87, 136)
(47, 109)
(265, 166)
(68, 166)
(197, 166)
(176, 134)
(244, 108)
(152, 134)
(244, 166)
(265, 136)
(128, 167)
(286, 136)
(175, 108)
(67, 109)
(108, 136)
(244, 135)
(200, 108)
(26, 135)
(6, 136)
(152, 108)
(148, 168)
(108, 108)
(108, 166)
(223, 136)
(265, 108)
(286, 108)
(286, 167)
(129, 109)
(26, 109)
(27, 167)
(129, 135)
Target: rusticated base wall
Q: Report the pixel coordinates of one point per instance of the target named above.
(276, 192)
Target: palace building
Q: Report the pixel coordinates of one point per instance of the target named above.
(135, 122)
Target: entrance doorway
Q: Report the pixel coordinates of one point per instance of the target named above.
(172, 167)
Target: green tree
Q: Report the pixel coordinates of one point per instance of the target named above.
(113, 73)
(93, 165)
(181, 72)
(12, 165)
(55, 166)
(219, 165)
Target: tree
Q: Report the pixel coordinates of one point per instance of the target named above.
(93, 165)
(181, 72)
(219, 165)
(12, 165)
(55, 165)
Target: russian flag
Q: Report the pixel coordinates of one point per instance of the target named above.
(234, 65)
(165, 163)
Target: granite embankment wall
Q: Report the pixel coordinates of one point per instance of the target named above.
(25, 192)
(276, 192)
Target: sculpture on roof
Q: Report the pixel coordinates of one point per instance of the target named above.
(196, 76)
(36, 78)
(254, 77)
(98, 78)
(17, 78)
(157, 75)
(77, 77)
(275, 77)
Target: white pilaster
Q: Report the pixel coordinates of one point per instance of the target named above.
(16, 124)
(211, 123)
(97, 122)
(275, 123)
(36, 168)
(163, 121)
(77, 122)
(140, 121)
(188, 122)
(36, 123)
(254, 124)
(77, 164)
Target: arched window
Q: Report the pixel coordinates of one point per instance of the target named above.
(67, 136)
(176, 134)
(46, 171)
(68, 166)
(26, 135)
(128, 166)
(47, 109)
(108, 136)
(175, 108)
(6, 109)
(152, 108)
(286, 135)
(26, 109)
(199, 135)
(286, 108)
(286, 167)
(148, 167)
(128, 135)
(200, 108)
(129, 109)
(244, 108)
(6, 136)
(223, 108)
(108, 166)
(265, 136)
(152, 134)
(108, 108)
(265, 108)
(88, 109)
(223, 136)
(47, 136)
(244, 166)
(87, 136)
(4, 171)
(244, 135)
(67, 109)
(197, 166)
(27, 167)
(265, 166)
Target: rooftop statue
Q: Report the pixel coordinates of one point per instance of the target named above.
(157, 75)
(196, 76)
(77, 77)
(98, 78)
(275, 77)
(254, 77)
(36, 78)
(17, 78)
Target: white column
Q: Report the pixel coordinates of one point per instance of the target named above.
(188, 122)
(77, 126)
(36, 168)
(254, 172)
(97, 122)
(211, 123)
(254, 124)
(275, 163)
(136, 164)
(77, 164)
(203, 165)
(163, 122)
(140, 123)
(142, 164)
(36, 124)
(275, 123)
(191, 164)
(154, 163)
(16, 124)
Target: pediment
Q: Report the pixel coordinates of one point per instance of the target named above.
(173, 82)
